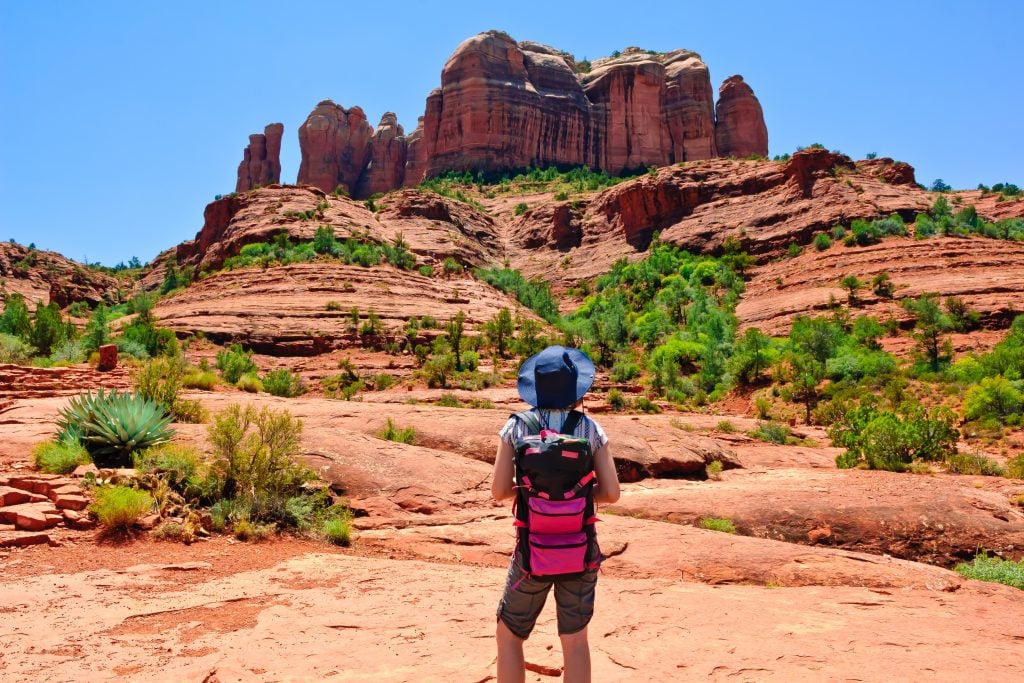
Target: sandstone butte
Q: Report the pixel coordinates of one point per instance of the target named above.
(505, 105)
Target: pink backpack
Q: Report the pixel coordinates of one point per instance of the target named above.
(554, 505)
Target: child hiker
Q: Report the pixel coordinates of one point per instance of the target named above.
(555, 462)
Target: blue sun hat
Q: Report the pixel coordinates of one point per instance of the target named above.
(557, 377)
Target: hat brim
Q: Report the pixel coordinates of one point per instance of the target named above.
(527, 387)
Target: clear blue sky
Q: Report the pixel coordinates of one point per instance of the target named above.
(121, 120)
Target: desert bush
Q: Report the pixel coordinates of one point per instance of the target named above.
(822, 241)
(333, 306)
(726, 427)
(714, 469)
(284, 383)
(617, 400)
(993, 569)
(448, 400)
(60, 457)
(248, 530)
(383, 381)
(344, 386)
(196, 378)
(250, 383)
(70, 352)
(885, 440)
(993, 398)
(644, 404)
(180, 465)
(480, 404)
(113, 426)
(119, 507)
(973, 463)
(391, 432)
(772, 432)
(234, 361)
(14, 350)
(337, 528)
(717, 524)
(1015, 467)
(253, 454)
(520, 208)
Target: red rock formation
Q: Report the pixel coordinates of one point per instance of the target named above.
(740, 130)
(335, 144)
(261, 161)
(386, 168)
(689, 108)
(505, 105)
(884, 168)
(502, 106)
(47, 276)
(627, 121)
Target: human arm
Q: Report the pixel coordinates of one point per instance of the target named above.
(503, 482)
(607, 489)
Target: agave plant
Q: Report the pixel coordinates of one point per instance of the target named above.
(112, 426)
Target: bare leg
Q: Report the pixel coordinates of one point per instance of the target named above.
(511, 663)
(576, 655)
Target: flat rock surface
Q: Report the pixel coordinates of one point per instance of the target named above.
(319, 616)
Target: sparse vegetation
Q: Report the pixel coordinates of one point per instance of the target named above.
(993, 569)
(391, 432)
(717, 524)
(60, 457)
(120, 507)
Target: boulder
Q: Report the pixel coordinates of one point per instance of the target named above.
(108, 358)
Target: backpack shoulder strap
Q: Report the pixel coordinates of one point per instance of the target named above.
(531, 421)
(571, 422)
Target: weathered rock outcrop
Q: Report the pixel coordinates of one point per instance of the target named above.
(740, 130)
(335, 145)
(505, 105)
(261, 160)
(47, 276)
(386, 168)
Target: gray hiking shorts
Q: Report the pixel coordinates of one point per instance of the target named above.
(524, 599)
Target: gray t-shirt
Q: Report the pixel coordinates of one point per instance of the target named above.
(554, 419)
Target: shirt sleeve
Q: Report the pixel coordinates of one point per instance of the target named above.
(597, 438)
(508, 432)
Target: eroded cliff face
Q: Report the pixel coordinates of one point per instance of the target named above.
(505, 105)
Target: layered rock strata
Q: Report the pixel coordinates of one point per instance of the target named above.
(505, 105)
(261, 160)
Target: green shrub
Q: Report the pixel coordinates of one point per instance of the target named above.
(726, 427)
(794, 250)
(644, 404)
(337, 529)
(119, 507)
(993, 398)
(383, 381)
(344, 386)
(390, 432)
(973, 463)
(199, 379)
(714, 469)
(480, 404)
(131, 349)
(113, 426)
(717, 524)
(426, 271)
(451, 267)
(520, 209)
(284, 383)
(616, 400)
(993, 569)
(448, 400)
(179, 464)
(822, 241)
(71, 352)
(159, 380)
(14, 350)
(889, 441)
(534, 294)
(253, 460)
(234, 361)
(248, 530)
(60, 457)
(772, 432)
(1015, 467)
(333, 306)
(250, 383)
